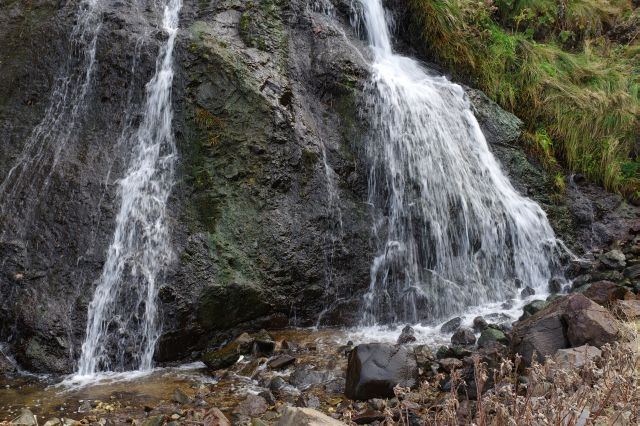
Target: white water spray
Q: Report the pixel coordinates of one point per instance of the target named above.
(123, 328)
(452, 231)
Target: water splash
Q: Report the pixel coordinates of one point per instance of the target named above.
(123, 328)
(452, 232)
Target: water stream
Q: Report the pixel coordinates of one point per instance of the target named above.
(123, 326)
(452, 231)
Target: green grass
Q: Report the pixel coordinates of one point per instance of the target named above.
(555, 67)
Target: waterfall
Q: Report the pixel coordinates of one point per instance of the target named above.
(30, 176)
(452, 232)
(123, 328)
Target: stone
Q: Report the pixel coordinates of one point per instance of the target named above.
(449, 364)
(532, 307)
(479, 324)
(263, 344)
(180, 397)
(627, 309)
(26, 418)
(252, 406)
(374, 369)
(277, 383)
(222, 358)
(451, 325)
(215, 417)
(568, 322)
(527, 291)
(613, 259)
(605, 292)
(555, 285)
(407, 335)
(52, 422)
(576, 357)
(268, 396)
(490, 336)
(281, 361)
(452, 352)
(296, 416)
(464, 337)
(589, 323)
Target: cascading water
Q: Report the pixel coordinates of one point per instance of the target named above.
(34, 167)
(123, 328)
(452, 231)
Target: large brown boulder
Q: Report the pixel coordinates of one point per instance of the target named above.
(568, 322)
(376, 368)
(605, 292)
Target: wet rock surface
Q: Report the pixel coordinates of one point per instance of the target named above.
(375, 369)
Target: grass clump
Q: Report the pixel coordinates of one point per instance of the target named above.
(568, 68)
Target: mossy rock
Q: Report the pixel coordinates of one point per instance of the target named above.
(532, 308)
(492, 335)
(222, 358)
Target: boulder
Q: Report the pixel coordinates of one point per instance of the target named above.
(374, 369)
(294, 416)
(451, 325)
(408, 335)
(464, 337)
(555, 285)
(567, 322)
(589, 323)
(263, 344)
(533, 307)
(490, 336)
(215, 417)
(576, 357)
(605, 292)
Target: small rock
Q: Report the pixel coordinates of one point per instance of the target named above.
(527, 291)
(368, 417)
(408, 335)
(224, 357)
(263, 344)
(180, 397)
(464, 337)
(449, 364)
(281, 361)
(491, 336)
(153, 421)
(277, 383)
(576, 357)
(451, 325)
(479, 324)
(52, 422)
(289, 345)
(294, 416)
(555, 285)
(215, 417)
(26, 418)
(252, 406)
(258, 422)
(85, 407)
(613, 259)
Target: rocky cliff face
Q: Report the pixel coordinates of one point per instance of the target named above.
(269, 214)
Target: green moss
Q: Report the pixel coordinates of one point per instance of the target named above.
(584, 94)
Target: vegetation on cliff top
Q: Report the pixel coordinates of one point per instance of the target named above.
(569, 68)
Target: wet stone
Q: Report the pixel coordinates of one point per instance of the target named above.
(180, 397)
(252, 406)
(451, 325)
(464, 337)
(215, 417)
(527, 291)
(26, 418)
(281, 361)
(407, 335)
(479, 324)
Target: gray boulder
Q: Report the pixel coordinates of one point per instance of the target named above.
(375, 369)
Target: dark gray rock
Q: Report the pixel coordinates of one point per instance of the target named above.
(408, 335)
(374, 369)
(527, 291)
(451, 325)
(479, 324)
(464, 336)
(490, 336)
(281, 361)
